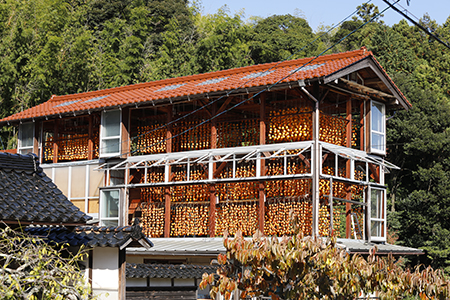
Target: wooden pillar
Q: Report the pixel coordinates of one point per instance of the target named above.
(212, 210)
(122, 274)
(91, 138)
(125, 133)
(167, 195)
(362, 136)
(90, 267)
(37, 133)
(348, 206)
(55, 141)
(262, 141)
(212, 188)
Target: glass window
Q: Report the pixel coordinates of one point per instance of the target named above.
(26, 138)
(109, 208)
(110, 137)
(377, 214)
(378, 131)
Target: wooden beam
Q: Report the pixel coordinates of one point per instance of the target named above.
(224, 105)
(375, 172)
(305, 160)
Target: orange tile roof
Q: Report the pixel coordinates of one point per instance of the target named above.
(245, 77)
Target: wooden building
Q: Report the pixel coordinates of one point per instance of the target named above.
(229, 150)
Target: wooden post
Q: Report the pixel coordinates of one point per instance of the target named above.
(37, 133)
(167, 195)
(212, 188)
(122, 274)
(91, 138)
(55, 142)
(212, 210)
(90, 267)
(348, 206)
(125, 133)
(362, 136)
(262, 141)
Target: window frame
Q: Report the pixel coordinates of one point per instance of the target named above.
(20, 147)
(102, 138)
(101, 207)
(91, 182)
(381, 237)
(373, 149)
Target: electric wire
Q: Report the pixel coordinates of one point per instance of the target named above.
(427, 30)
(266, 88)
(216, 100)
(228, 93)
(242, 85)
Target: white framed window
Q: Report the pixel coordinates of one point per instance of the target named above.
(378, 128)
(110, 133)
(110, 207)
(378, 214)
(26, 138)
(80, 183)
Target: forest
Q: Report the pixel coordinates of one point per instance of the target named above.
(69, 46)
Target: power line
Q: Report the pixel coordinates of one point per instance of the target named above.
(426, 30)
(267, 88)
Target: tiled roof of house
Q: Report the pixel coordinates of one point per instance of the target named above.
(27, 195)
(93, 236)
(195, 85)
(168, 270)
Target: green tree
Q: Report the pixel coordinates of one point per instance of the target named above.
(31, 269)
(278, 37)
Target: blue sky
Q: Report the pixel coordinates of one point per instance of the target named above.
(328, 12)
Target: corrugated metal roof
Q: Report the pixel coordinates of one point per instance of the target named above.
(214, 246)
(363, 247)
(220, 81)
(183, 246)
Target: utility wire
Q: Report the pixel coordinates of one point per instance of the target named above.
(230, 92)
(271, 86)
(426, 30)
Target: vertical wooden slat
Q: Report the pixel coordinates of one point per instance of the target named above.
(35, 138)
(212, 211)
(122, 275)
(91, 138)
(262, 141)
(167, 195)
(90, 267)
(125, 133)
(362, 136)
(55, 141)
(212, 188)
(348, 206)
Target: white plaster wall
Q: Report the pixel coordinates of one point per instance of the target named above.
(105, 273)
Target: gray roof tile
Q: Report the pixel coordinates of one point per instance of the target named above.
(27, 194)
